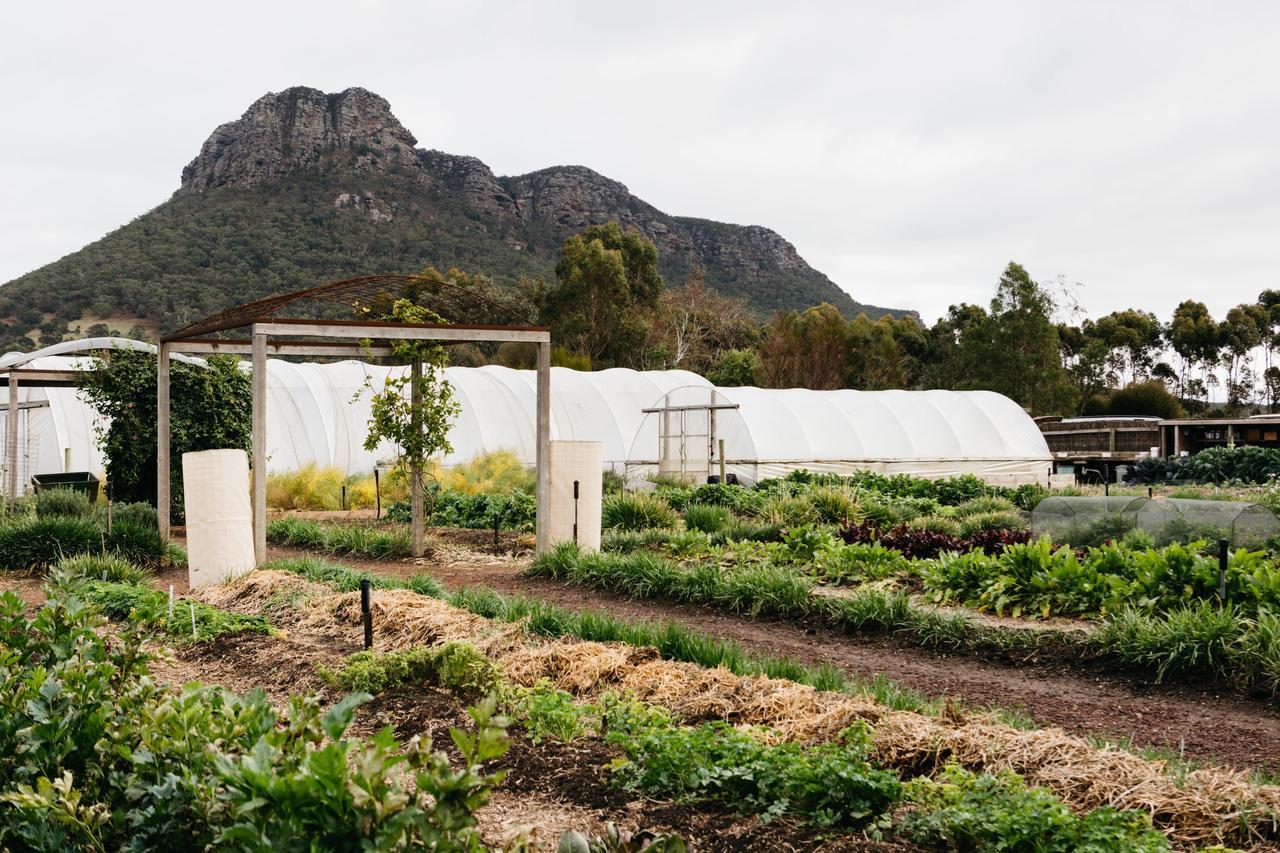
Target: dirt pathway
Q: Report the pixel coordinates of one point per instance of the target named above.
(1200, 724)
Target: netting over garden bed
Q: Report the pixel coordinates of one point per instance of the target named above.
(1089, 521)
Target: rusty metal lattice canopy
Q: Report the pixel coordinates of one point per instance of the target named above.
(454, 303)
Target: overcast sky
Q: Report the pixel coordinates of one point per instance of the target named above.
(908, 150)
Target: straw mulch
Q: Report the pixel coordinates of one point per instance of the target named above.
(1200, 807)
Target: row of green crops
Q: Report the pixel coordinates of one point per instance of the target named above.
(1238, 648)
(1038, 579)
(351, 540)
(1032, 579)
(479, 511)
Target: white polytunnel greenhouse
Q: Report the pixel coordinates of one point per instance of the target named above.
(670, 421)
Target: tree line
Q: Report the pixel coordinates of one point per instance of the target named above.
(609, 307)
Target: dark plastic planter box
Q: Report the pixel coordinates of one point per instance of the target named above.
(80, 481)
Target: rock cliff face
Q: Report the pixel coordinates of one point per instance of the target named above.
(297, 129)
(308, 187)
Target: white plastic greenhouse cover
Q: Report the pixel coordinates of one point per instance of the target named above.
(318, 413)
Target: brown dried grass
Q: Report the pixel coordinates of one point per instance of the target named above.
(1205, 806)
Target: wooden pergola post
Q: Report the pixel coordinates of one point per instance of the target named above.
(416, 509)
(11, 440)
(543, 488)
(163, 498)
(259, 445)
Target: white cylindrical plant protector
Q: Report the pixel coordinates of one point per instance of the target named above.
(215, 488)
(575, 462)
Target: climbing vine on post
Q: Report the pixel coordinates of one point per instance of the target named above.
(417, 423)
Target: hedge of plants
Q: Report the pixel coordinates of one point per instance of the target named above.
(475, 511)
(1219, 465)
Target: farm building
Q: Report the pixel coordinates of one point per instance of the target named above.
(673, 421)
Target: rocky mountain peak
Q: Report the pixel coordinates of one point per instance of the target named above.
(300, 127)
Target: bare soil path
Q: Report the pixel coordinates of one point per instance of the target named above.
(1202, 724)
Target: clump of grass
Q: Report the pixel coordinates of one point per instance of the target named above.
(787, 511)
(636, 511)
(1194, 640)
(36, 543)
(103, 567)
(141, 544)
(834, 504)
(707, 518)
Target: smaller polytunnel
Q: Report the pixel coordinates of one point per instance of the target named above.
(769, 432)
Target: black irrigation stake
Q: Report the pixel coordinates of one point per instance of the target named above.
(575, 511)
(377, 490)
(1222, 570)
(1151, 492)
(366, 611)
(1106, 488)
(344, 495)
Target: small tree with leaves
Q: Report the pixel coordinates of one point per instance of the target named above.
(418, 422)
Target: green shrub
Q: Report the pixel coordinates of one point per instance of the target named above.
(611, 483)
(135, 514)
(707, 518)
(138, 543)
(968, 811)
(62, 502)
(998, 520)
(106, 567)
(636, 511)
(458, 667)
